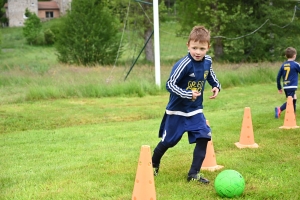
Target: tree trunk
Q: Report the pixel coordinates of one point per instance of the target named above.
(218, 48)
(149, 50)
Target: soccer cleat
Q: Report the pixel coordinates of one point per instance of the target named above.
(197, 177)
(155, 171)
(277, 112)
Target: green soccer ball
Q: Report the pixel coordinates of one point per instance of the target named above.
(229, 183)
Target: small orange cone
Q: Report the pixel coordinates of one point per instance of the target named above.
(247, 136)
(210, 162)
(144, 187)
(289, 117)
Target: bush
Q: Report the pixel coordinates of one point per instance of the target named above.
(49, 37)
(32, 28)
(88, 34)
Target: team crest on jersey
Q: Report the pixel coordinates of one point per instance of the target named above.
(205, 74)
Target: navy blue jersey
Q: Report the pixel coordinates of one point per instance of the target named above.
(187, 75)
(288, 72)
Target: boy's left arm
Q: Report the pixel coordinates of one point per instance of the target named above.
(214, 82)
(215, 92)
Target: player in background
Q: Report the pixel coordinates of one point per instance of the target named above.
(288, 72)
(184, 111)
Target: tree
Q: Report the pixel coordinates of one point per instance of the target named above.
(3, 19)
(271, 21)
(89, 34)
(32, 28)
(239, 22)
(0, 41)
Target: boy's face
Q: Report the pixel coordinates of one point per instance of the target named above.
(198, 49)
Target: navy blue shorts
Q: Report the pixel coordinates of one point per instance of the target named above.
(290, 92)
(174, 126)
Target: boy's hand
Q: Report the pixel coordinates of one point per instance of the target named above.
(195, 94)
(280, 91)
(215, 92)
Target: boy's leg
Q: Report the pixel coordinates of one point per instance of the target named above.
(294, 102)
(278, 110)
(283, 107)
(198, 157)
(158, 153)
(288, 92)
(174, 126)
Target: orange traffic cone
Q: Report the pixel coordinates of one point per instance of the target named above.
(247, 136)
(144, 187)
(210, 162)
(289, 117)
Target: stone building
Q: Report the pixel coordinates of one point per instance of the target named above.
(45, 10)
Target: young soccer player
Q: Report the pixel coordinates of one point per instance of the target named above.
(288, 72)
(184, 111)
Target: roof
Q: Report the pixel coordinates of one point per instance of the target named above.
(47, 5)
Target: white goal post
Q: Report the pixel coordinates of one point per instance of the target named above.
(156, 41)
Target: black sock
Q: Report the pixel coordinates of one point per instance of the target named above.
(158, 153)
(294, 102)
(283, 107)
(198, 156)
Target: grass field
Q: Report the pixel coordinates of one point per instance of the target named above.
(88, 148)
(70, 132)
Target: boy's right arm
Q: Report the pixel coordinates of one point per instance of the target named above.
(172, 86)
(279, 87)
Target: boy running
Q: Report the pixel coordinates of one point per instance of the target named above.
(184, 111)
(288, 72)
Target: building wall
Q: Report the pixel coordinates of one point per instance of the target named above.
(64, 5)
(16, 10)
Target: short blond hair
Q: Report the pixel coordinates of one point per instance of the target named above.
(199, 34)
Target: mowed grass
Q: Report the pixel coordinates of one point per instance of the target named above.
(88, 148)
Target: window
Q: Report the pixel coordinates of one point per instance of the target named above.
(49, 15)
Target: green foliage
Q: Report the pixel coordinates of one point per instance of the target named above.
(28, 13)
(51, 30)
(49, 37)
(3, 19)
(32, 29)
(0, 41)
(250, 31)
(89, 34)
